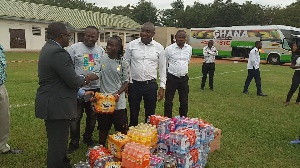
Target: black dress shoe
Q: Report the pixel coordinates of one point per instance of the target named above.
(246, 92)
(72, 148)
(13, 151)
(89, 142)
(261, 94)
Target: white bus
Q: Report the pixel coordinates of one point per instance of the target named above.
(237, 41)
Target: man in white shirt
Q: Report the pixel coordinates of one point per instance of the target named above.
(253, 69)
(208, 67)
(178, 57)
(144, 56)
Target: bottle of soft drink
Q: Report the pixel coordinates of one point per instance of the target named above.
(131, 159)
(173, 162)
(168, 164)
(125, 156)
(138, 158)
(146, 159)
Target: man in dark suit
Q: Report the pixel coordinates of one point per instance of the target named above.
(56, 96)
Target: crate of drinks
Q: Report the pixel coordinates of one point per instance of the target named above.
(183, 140)
(98, 156)
(145, 134)
(113, 165)
(135, 155)
(116, 144)
(164, 125)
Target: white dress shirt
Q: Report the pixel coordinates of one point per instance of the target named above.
(144, 61)
(296, 62)
(254, 59)
(209, 54)
(178, 59)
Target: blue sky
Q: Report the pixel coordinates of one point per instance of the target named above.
(165, 4)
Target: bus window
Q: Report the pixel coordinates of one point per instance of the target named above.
(286, 44)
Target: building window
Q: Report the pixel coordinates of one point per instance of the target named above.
(36, 31)
(101, 37)
(17, 38)
(130, 37)
(46, 38)
(114, 33)
(107, 35)
(121, 35)
(80, 37)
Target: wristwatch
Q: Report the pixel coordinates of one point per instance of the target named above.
(84, 78)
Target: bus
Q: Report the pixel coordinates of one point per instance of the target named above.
(237, 41)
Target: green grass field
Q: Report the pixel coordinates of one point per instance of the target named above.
(256, 131)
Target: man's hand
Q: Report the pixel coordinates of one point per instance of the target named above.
(88, 96)
(117, 96)
(160, 94)
(87, 79)
(126, 92)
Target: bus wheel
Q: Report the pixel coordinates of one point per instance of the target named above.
(274, 59)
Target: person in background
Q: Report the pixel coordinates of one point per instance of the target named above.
(4, 109)
(55, 101)
(178, 57)
(86, 56)
(114, 77)
(145, 56)
(253, 69)
(208, 67)
(295, 64)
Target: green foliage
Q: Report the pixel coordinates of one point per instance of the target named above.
(144, 12)
(218, 13)
(122, 10)
(289, 15)
(255, 130)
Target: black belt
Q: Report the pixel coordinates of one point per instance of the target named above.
(208, 63)
(176, 76)
(144, 82)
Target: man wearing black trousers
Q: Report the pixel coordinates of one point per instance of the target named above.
(55, 101)
(208, 67)
(253, 69)
(178, 57)
(144, 56)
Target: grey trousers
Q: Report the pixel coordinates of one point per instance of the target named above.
(4, 119)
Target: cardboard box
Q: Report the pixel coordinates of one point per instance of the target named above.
(215, 144)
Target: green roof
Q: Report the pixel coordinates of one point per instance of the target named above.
(79, 19)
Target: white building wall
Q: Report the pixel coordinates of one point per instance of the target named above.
(36, 42)
(33, 42)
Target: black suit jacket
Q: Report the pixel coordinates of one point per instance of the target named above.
(56, 96)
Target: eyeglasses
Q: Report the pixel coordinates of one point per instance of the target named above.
(69, 35)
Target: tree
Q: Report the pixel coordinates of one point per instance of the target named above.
(120, 10)
(198, 15)
(225, 14)
(270, 14)
(166, 18)
(174, 17)
(289, 15)
(144, 12)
